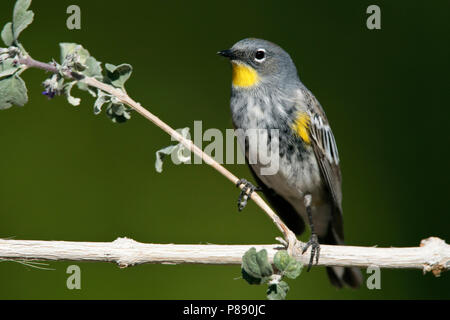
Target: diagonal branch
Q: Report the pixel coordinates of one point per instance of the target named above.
(125, 98)
(432, 255)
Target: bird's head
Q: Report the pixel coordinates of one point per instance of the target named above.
(257, 61)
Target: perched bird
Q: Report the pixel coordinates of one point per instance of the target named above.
(268, 95)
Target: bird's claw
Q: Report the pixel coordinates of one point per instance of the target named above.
(315, 250)
(246, 192)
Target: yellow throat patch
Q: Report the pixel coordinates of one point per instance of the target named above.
(243, 75)
(301, 126)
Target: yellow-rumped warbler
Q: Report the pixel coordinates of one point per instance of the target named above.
(267, 94)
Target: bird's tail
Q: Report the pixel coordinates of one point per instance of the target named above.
(340, 276)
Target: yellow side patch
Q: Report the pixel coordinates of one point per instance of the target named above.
(243, 75)
(301, 126)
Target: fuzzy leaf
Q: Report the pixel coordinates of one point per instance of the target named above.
(22, 17)
(160, 155)
(7, 68)
(72, 100)
(177, 152)
(250, 279)
(118, 75)
(94, 68)
(288, 265)
(7, 34)
(118, 113)
(102, 98)
(12, 92)
(70, 48)
(256, 264)
(277, 291)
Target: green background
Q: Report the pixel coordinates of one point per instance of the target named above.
(69, 175)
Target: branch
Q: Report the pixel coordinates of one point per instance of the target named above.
(432, 255)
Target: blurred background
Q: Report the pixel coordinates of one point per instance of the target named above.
(69, 175)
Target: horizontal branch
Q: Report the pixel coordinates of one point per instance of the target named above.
(432, 255)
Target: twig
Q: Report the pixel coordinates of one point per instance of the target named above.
(432, 255)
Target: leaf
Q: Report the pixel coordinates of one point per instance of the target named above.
(102, 98)
(281, 260)
(288, 265)
(118, 75)
(22, 17)
(83, 86)
(264, 264)
(94, 68)
(179, 153)
(250, 279)
(12, 92)
(72, 100)
(277, 291)
(7, 34)
(7, 68)
(160, 155)
(72, 48)
(256, 264)
(118, 113)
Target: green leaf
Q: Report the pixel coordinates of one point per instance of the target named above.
(118, 75)
(293, 270)
(7, 68)
(264, 264)
(102, 98)
(118, 113)
(93, 68)
(281, 260)
(179, 153)
(7, 34)
(256, 264)
(160, 155)
(22, 17)
(72, 100)
(12, 92)
(83, 86)
(249, 278)
(288, 265)
(72, 48)
(277, 291)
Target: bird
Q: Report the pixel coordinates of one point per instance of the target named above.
(269, 101)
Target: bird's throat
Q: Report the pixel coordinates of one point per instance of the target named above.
(243, 75)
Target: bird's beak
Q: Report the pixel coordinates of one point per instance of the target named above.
(226, 53)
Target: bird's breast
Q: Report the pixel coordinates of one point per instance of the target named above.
(279, 157)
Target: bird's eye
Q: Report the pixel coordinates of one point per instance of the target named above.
(260, 55)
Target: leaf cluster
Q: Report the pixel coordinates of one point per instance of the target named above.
(257, 269)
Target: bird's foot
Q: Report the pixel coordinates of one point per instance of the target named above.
(246, 192)
(315, 250)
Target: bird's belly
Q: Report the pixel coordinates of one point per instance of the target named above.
(295, 176)
(295, 179)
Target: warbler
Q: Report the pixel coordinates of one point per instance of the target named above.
(267, 95)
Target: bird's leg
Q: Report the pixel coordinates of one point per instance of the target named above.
(313, 240)
(246, 192)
